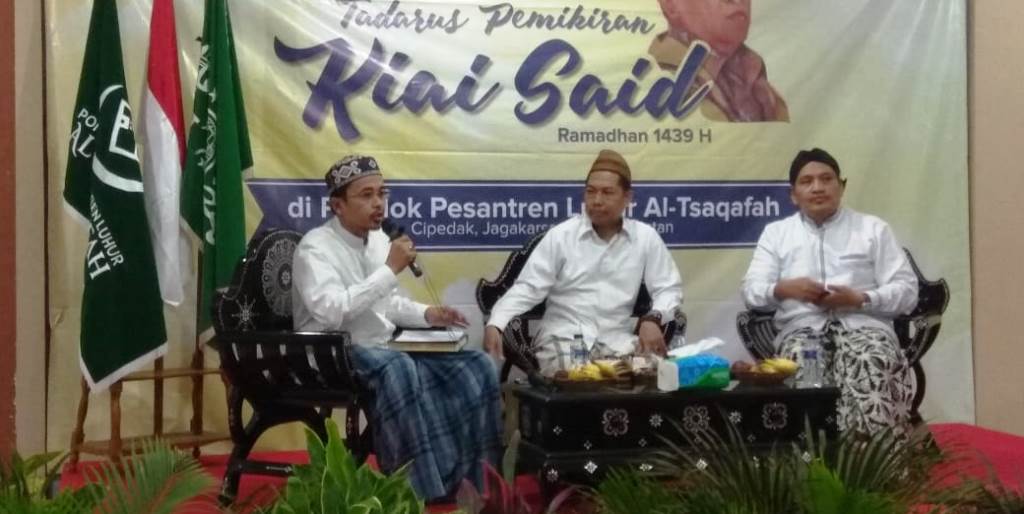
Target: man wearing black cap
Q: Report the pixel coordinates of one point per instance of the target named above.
(838, 277)
(438, 411)
(589, 269)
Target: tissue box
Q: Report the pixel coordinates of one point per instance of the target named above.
(698, 371)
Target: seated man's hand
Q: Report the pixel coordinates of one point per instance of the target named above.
(841, 297)
(652, 340)
(444, 316)
(492, 342)
(803, 289)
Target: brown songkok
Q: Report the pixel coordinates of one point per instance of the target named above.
(612, 161)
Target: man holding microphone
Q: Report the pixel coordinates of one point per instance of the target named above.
(439, 411)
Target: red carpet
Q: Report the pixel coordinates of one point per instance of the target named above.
(986, 453)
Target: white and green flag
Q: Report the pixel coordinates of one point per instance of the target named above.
(218, 156)
(122, 313)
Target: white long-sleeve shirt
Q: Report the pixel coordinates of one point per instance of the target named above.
(591, 285)
(850, 249)
(341, 283)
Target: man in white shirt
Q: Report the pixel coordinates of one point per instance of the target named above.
(838, 277)
(589, 269)
(439, 411)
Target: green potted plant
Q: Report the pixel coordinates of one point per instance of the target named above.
(158, 480)
(332, 483)
(878, 474)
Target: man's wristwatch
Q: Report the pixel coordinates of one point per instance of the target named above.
(866, 303)
(654, 316)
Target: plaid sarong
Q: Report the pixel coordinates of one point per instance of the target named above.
(440, 411)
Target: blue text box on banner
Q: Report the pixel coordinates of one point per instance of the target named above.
(496, 215)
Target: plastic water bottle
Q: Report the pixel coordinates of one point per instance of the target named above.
(812, 365)
(578, 354)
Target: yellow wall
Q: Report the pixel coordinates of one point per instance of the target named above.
(996, 119)
(30, 269)
(997, 224)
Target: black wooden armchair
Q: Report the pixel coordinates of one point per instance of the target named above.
(517, 342)
(915, 331)
(284, 375)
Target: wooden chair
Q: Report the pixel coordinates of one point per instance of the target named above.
(284, 375)
(915, 331)
(517, 342)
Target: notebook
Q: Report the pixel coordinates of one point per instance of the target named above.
(429, 340)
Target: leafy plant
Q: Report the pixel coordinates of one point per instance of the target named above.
(724, 475)
(976, 496)
(996, 498)
(823, 491)
(161, 480)
(625, 491)
(502, 495)
(854, 474)
(23, 484)
(900, 469)
(332, 483)
(23, 478)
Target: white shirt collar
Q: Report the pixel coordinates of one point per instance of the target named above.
(349, 238)
(587, 227)
(831, 220)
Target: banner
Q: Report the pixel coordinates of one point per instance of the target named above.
(122, 317)
(489, 215)
(218, 157)
(486, 115)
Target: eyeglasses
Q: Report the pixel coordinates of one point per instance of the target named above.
(368, 195)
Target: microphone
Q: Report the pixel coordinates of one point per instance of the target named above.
(395, 231)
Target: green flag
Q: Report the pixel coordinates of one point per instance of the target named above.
(122, 314)
(218, 156)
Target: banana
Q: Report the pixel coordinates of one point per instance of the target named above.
(766, 367)
(610, 369)
(591, 372)
(606, 367)
(783, 365)
(585, 372)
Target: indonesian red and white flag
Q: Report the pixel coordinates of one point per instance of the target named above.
(163, 137)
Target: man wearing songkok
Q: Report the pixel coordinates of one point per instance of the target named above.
(589, 269)
(439, 411)
(741, 89)
(838, 277)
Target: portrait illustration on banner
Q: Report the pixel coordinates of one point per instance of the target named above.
(741, 91)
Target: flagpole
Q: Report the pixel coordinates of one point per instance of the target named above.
(158, 397)
(198, 361)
